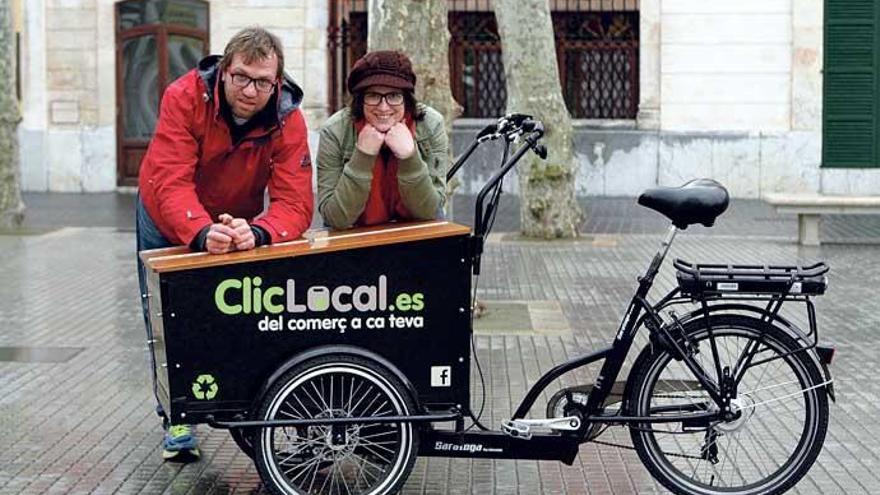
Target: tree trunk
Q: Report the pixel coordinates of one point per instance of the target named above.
(11, 206)
(420, 29)
(548, 206)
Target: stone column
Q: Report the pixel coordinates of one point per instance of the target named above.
(806, 65)
(314, 76)
(32, 131)
(649, 65)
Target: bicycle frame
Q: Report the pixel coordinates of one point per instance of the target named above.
(615, 355)
(494, 444)
(510, 129)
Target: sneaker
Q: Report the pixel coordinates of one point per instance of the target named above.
(180, 444)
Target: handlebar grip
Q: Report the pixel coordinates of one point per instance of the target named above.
(538, 126)
(512, 122)
(533, 126)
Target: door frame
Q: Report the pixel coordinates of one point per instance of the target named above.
(162, 32)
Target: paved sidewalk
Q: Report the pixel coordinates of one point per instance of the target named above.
(85, 424)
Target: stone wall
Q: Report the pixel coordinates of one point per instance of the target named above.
(621, 161)
(67, 135)
(726, 66)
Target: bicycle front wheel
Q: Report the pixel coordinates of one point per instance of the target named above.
(350, 459)
(781, 411)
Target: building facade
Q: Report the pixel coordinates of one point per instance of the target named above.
(728, 90)
(92, 72)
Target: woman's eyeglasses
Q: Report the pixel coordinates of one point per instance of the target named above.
(392, 99)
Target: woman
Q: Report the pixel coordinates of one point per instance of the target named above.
(384, 158)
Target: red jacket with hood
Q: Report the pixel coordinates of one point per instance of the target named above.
(192, 172)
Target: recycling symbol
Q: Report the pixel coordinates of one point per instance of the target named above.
(205, 387)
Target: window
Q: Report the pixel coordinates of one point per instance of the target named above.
(476, 69)
(598, 54)
(597, 45)
(850, 108)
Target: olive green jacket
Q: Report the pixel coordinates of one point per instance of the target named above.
(345, 172)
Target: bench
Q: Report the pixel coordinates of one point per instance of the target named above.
(810, 206)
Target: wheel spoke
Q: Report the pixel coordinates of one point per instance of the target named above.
(377, 454)
(360, 471)
(351, 396)
(368, 406)
(363, 396)
(298, 451)
(320, 393)
(374, 435)
(326, 479)
(303, 465)
(315, 469)
(308, 394)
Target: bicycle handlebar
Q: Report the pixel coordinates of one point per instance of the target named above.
(510, 127)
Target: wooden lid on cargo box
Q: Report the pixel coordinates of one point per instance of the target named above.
(313, 242)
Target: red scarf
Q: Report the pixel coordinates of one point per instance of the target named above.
(384, 203)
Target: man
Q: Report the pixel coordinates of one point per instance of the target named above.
(226, 130)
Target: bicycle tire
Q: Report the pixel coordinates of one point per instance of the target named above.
(244, 439)
(657, 380)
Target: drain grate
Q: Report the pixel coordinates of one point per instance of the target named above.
(522, 318)
(38, 354)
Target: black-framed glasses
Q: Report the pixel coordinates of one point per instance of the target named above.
(393, 99)
(261, 85)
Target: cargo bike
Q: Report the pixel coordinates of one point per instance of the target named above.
(335, 360)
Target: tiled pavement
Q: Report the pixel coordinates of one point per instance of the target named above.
(86, 425)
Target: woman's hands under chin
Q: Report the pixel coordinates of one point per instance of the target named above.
(400, 141)
(370, 140)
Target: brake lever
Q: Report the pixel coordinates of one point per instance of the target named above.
(514, 135)
(488, 132)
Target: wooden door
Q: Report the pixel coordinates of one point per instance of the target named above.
(157, 41)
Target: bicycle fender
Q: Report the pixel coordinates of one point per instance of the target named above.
(334, 349)
(784, 323)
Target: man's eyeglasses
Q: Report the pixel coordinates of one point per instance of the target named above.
(392, 99)
(262, 85)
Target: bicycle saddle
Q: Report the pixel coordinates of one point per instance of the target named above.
(698, 201)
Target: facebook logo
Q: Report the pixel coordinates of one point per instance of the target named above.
(441, 376)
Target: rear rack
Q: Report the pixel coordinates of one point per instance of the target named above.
(708, 279)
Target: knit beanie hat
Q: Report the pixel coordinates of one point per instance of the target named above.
(382, 68)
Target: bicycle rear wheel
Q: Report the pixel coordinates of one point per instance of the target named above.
(779, 429)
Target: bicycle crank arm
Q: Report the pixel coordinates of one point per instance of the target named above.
(522, 428)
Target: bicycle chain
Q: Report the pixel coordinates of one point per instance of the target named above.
(672, 454)
(628, 447)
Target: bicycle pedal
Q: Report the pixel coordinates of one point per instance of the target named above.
(515, 429)
(522, 428)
